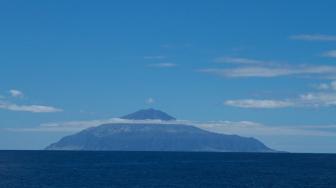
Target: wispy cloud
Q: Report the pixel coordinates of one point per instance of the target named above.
(331, 53)
(272, 71)
(70, 126)
(311, 99)
(244, 128)
(322, 86)
(150, 100)
(16, 93)
(158, 57)
(304, 100)
(247, 128)
(327, 86)
(163, 65)
(239, 60)
(318, 99)
(6, 105)
(314, 37)
(28, 108)
(253, 103)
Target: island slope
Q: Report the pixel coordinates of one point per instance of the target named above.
(156, 137)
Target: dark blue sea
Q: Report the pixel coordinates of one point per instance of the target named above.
(165, 169)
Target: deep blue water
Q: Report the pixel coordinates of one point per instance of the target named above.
(165, 169)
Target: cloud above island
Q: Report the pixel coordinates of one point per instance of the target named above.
(243, 128)
(150, 100)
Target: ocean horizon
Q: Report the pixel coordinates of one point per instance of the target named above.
(164, 169)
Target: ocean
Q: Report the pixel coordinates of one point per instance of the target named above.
(58, 169)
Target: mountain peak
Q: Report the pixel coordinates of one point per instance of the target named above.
(149, 114)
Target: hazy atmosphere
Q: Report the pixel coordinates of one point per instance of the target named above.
(258, 69)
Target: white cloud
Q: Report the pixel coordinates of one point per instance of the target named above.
(238, 60)
(318, 99)
(247, 128)
(150, 100)
(305, 100)
(71, 126)
(92, 123)
(253, 103)
(327, 86)
(260, 71)
(25, 108)
(16, 93)
(163, 65)
(331, 53)
(243, 128)
(333, 85)
(28, 108)
(316, 37)
(155, 57)
(311, 99)
(323, 86)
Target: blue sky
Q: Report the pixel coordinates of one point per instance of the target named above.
(264, 69)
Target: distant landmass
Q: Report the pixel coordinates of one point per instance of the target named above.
(155, 137)
(149, 114)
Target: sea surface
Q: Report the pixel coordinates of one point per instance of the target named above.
(165, 169)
